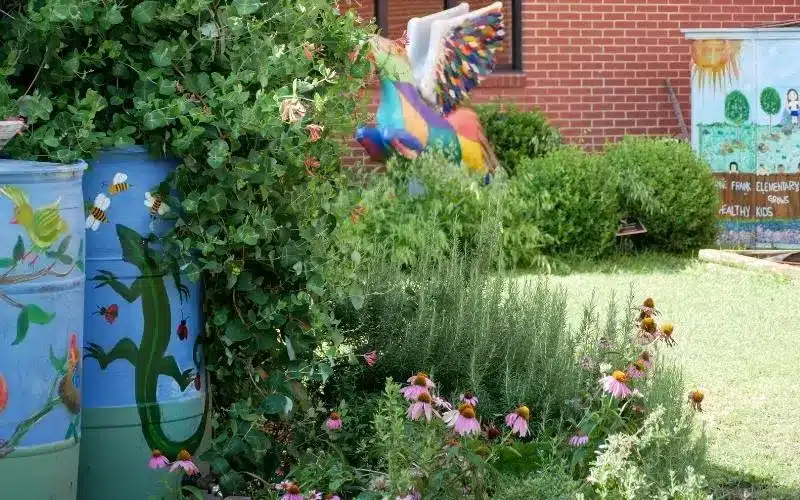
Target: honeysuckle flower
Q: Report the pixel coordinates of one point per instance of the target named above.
(419, 383)
(403, 40)
(518, 421)
(696, 399)
(465, 422)
(371, 358)
(469, 398)
(309, 49)
(314, 132)
(422, 407)
(292, 110)
(636, 370)
(334, 422)
(615, 384)
(185, 462)
(158, 460)
(311, 163)
(579, 439)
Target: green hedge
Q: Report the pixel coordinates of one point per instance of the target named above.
(664, 184)
(516, 134)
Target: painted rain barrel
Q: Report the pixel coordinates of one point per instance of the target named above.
(746, 124)
(145, 389)
(41, 326)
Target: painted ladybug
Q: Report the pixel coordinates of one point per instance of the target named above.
(110, 312)
(183, 330)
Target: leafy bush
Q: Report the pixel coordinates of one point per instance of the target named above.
(517, 134)
(231, 88)
(668, 188)
(570, 197)
(419, 208)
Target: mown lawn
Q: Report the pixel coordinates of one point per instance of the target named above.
(738, 335)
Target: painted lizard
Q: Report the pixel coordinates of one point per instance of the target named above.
(149, 359)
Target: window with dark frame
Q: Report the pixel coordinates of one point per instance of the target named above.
(392, 17)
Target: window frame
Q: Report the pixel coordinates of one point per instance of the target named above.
(382, 18)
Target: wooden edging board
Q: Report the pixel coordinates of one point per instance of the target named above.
(735, 259)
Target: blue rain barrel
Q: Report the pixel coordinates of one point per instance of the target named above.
(146, 387)
(41, 326)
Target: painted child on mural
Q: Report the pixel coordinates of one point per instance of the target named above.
(793, 105)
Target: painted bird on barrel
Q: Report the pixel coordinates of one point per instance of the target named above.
(421, 85)
(43, 225)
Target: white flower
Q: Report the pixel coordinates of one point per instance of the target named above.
(605, 368)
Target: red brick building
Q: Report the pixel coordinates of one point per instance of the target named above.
(597, 68)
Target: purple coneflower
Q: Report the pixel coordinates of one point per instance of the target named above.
(646, 359)
(158, 460)
(464, 421)
(419, 383)
(413, 495)
(469, 398)
(421, 407)
(579, 439)
(331, 496)
(636, 370)
(518, 421)
(615, 384)
(185, 462)
(291, 491)
(334, 422)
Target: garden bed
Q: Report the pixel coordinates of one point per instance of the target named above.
(782, 262)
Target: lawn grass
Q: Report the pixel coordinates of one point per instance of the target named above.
(738, 335)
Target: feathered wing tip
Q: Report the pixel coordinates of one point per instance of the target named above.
(465, 55)
(15, 194)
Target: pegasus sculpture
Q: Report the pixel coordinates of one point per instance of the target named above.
(423, 82)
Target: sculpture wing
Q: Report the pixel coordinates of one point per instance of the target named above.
(419, 36)
(461, 53)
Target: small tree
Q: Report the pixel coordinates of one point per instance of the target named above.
(737, 110)
(770, 103)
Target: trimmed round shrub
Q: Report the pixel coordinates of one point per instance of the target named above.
(517, 134)
(570, 197)
(666, 186)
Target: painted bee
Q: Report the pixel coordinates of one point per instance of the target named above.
(155, 204)
(119, 184)
(98, 212)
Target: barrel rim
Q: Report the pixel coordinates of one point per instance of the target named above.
(31, 167)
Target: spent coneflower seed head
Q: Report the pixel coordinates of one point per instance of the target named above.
(648, 324)
(667, 328)
(421, 379)
(183, 455)
(697, 396)
(424, 397)
(649, 303)
(293, 489)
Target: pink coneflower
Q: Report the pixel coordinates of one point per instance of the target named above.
(158, 460)
(421, 407)
(331, 496)
(371, 358)
(442, 403)
(518, 421)
(469, 398)
(645, 358)
(615, 384)
(185, 462)
(419, 383)
(413, 495)
(579, 439)
(465, 422)
(291, 491)
(315, 495)
(314, 132)
(636, 370)
(334, 423)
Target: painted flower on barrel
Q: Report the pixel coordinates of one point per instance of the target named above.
(616, 384)
(518, 421)
(419, 383)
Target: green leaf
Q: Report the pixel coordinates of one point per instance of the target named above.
(23, 323)
(145, 12)
(161, 55)
(35, 107)
(325, 371)
(57, 363)
(356, 293)
(245, 7)
(236, 332)
(19, 249)
(194, 491)
(218, 153)
(113, 15)
(155, 119)
(62, 247)
(277, 403)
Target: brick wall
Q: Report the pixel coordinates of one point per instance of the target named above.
(597, 67)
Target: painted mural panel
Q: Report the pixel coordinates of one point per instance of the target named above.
(746, 124)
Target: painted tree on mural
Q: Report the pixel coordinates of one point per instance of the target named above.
(737, 111)
(770, 103)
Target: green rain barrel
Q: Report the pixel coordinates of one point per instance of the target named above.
(144, 383)
(41, 326)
